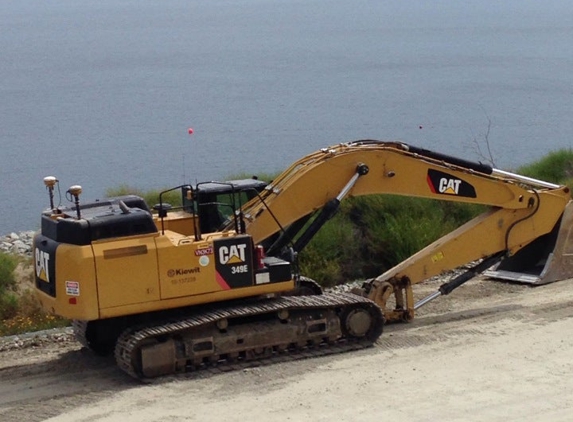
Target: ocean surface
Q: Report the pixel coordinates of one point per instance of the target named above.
(102, 93)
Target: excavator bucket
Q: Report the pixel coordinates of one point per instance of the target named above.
(545, 260)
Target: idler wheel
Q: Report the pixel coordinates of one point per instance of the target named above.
(358, 322)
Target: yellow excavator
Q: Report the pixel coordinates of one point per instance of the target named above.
(213, 282)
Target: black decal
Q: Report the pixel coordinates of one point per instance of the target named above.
(45, 264)
(234, 260)
(446, 184)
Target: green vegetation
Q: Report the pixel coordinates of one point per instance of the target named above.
(555, 167)
(8, 299)
(19, 309)
(371, 234)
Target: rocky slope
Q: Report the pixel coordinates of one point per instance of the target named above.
(17, 243)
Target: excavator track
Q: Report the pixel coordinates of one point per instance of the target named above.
(80, 329)
(252, 333)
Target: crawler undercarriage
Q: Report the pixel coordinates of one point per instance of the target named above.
(244, 334)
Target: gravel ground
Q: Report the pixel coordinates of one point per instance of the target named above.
(489, 351)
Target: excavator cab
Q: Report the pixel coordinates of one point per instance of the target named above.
(207, 207)
(215, 203)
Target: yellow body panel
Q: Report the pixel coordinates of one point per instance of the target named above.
(177, 221)
(186, 267)
(141, 274)
(197, 299)
(127, 271)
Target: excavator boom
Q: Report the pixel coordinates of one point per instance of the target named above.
(525, 217)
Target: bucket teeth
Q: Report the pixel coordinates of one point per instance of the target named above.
(545, 260)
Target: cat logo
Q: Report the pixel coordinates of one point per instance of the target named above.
(449, 186)
(446, 184)
(233, 254)
(42, 260)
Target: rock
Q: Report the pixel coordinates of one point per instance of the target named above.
(20, 245)
(17, 243)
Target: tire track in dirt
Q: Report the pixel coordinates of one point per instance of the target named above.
(478, 314)
(43, 382)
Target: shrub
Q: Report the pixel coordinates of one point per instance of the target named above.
(8, 298)
(333, 252)
(8, 264)
(371, 234)
(8, 305)
(20, 310)
(555, 167)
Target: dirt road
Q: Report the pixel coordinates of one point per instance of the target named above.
(490, 351)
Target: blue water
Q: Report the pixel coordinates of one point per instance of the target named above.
(102, 93)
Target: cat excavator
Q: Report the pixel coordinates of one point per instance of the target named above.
(214, 282)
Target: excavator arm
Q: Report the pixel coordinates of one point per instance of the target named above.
(520, 210)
